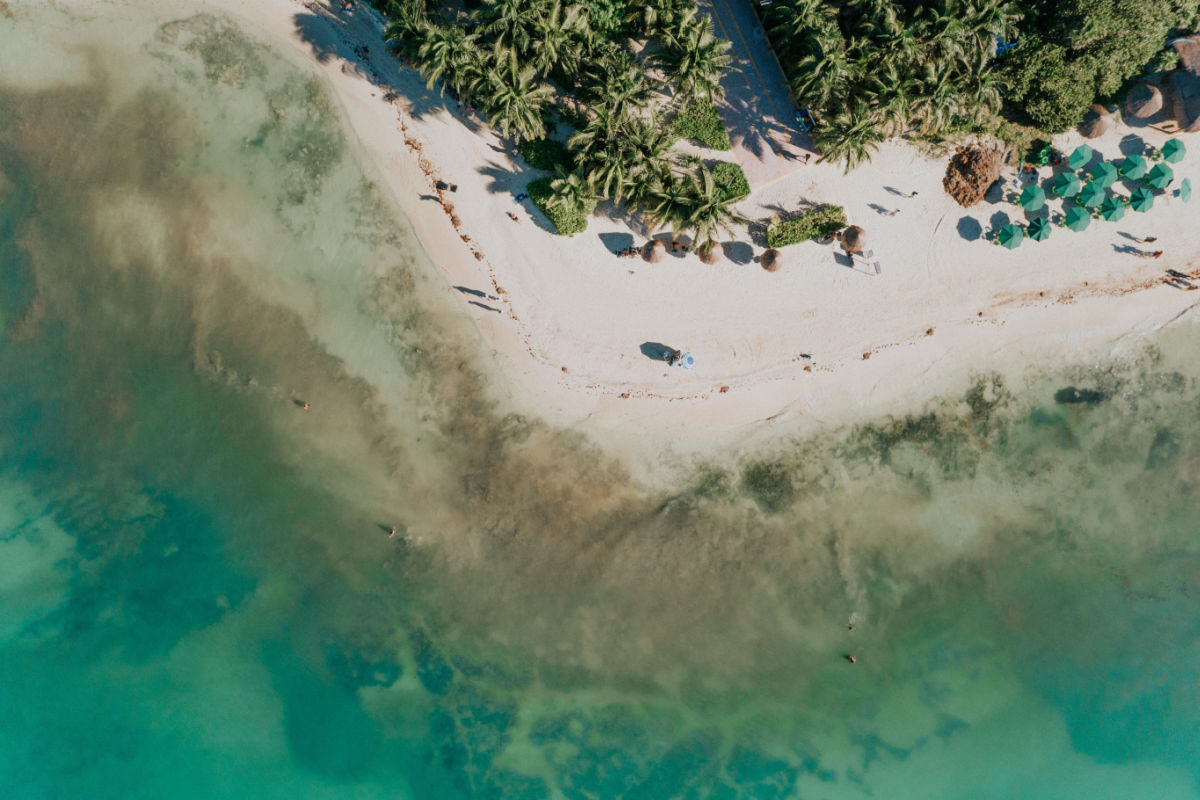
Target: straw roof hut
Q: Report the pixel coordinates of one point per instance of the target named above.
(1143, 101)
(770, 260)
(1096, 122)
(709, 253)
(970, 172)
(1185, 83)
(854, 239)
(654, 251)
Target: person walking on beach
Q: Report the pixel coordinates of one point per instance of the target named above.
(1150, 254)
(891, 213)
(909, 196)
(1146, 239)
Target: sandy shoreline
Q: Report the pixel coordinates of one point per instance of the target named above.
(817, 342)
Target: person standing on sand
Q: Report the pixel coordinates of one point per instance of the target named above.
(1146, 239)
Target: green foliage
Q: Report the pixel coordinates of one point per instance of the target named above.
(546, 154)
(699, 120)
(870, 69)
(607, 18)
(567, 221)
(815, 223)
(730, 180)
(1075, 51)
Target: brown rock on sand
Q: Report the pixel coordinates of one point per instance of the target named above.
(971, 171)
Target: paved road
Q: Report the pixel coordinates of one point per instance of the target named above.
(756, 109)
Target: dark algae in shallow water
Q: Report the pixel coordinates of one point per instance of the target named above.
(199, 596)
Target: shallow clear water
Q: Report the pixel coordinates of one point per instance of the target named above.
(198, 596)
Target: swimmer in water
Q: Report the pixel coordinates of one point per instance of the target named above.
(393, 533)
(851, 659)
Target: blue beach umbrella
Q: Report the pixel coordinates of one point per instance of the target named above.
(1039, 229)
(1113, 208)
(1032, 197)
(1010, 236)
(1133, 167)
(1090, 195)
(1104, 174)
(1160, 176)
(1080, 157)
(1142, 199)
(1066, 184)
(1173, 151)
(1078, 218)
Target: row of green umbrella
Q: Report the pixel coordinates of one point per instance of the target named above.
(1078, 217)
(1093, 194)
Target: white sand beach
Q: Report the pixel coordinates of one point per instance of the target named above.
(815, 341)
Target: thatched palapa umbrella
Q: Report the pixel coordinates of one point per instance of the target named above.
(1143, 101)
(770, 260)
(1096, 122)
(854, 239)
(654, 251)
(709, 254)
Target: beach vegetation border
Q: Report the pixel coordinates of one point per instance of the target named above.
(700, 121)
(824, 220)
(730, 180)
(567, 220)
(547, 154)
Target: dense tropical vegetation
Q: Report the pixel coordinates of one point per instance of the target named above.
(615, 72)
(871, 69)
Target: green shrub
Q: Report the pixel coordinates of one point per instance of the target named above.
(820, 221)
(730, 180)
(1077, 51)
(566, 221)
(700, 121)
(607, 18)
(545, 154)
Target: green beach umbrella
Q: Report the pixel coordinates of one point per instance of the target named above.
(1142, 199)
(1090, 195)
(1173, 151)
(1104, 174)
(1039, 229)
(1032, 197)
(1133, 167)
(1160, 176)
(1010, 235)
(1113, 208)
(1066, 184)
(1078, 218)
(1080, 157)
(1185, 189)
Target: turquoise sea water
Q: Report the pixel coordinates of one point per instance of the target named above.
(199, 599)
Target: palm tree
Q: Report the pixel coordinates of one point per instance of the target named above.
(443, 55)
(711, 210)
(672, 207)
(555, 45)
(695, 59)
(850, 137)
(618, 84)
(513, 99)
(570, 190)
(509, 21)
(654, 16)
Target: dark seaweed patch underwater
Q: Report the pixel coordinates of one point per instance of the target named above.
(199, 598)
